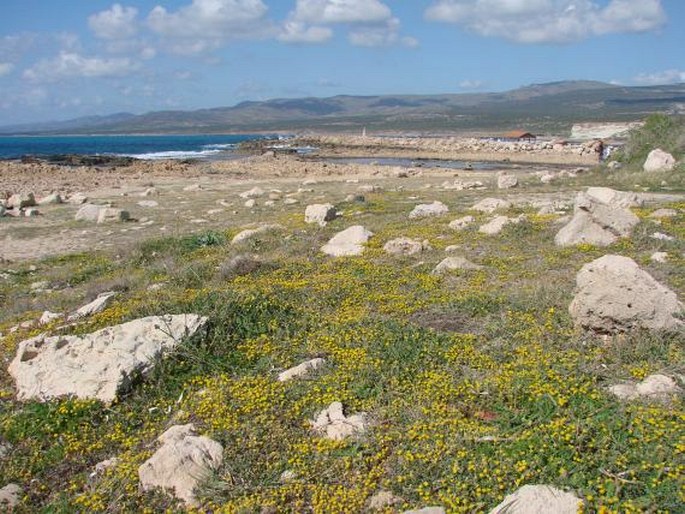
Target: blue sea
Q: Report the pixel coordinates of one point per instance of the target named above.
(141, 147)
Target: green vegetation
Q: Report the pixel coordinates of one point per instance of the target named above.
(659, 131)
(476, 382)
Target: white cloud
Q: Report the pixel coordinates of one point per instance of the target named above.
(69, 65)
(297, 32)
(549, 21)
(319, 12)
(116, 23)
(380, 35)
(6, 68)
(663, 77)
(471, 84)
(210, 19)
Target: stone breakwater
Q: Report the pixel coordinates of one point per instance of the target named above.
(557, 152)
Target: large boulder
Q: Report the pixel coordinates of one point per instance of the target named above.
(429, 209)
(182, 462)
(97, 365)
(615, 295)
(348, 242)
(596, 222)
(658, 160)
(320, 214)
(539, 499)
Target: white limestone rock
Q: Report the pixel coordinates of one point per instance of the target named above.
(252, 232)
(255, 192)
(659, 257)
(490, 205)
(320, 214)
(654, 387)
(301, 370)
(539, 499)
(455, 263)
(97, 365)
(429, 209)
(461, 223)
(405, 246)
(615, 295)
(658, 160)
(97, 305)
(51, 199)
(349, 242)
(497, 224)
(506, 181)
(10, 497)
(88, 212)
(333, 424)
(182, 462)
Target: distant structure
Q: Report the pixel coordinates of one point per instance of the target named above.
(518, 135)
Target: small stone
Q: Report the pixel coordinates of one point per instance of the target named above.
(664, 213)
(255, 192)
(405, 246)
(148, 203)
(77, 199)
(506, 181)
(48, 317)
(250, 233)
(51, 199)
(97, 305)
(10, 496)
(109, 214)
(193, 188)
(654, 387)
(455, 263)
(497, 224)
(660, 257)
(88, 212)
(31, 212)
(21, 201)
(349, 242)
(426, 510)
(250, 203)
(659, 236)
(287, 476)
(301, 370)
(382, 500)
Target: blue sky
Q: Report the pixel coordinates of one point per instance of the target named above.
(61, 59)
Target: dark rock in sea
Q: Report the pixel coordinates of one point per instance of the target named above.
(90, 160)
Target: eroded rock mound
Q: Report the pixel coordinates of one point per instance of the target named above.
(539, 499)
(599, 219)
(97, 365)
(615, 295)
(184, 461)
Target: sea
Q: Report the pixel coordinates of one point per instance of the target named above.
(139, 146)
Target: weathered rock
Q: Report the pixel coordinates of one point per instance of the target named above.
(615, 198)
(51, 199)
(405, 246)
(10, 496)
(182, 462)
(48, 317)
(490, 205)
(461, 223)
(348, 242)
(382, 500)
(97, 305)
(97, 365)
(21, 201)
(77, 199)
(110, 214)
(333, 424)
(664, 213)
(455, 263)
(654, 387)
(250, 203)
(301, 369)
(252, 232)
(429, 209)
(255, 192)
(148, 203)
(497, 224)
(426, 510)
(597, 223)
(615, 295)
(320, 214)
(658, 160)
(539, 499)
(506, 181)
(89, 212)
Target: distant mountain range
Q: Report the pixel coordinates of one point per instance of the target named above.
(542, 108)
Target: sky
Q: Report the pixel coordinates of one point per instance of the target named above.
(62, 59)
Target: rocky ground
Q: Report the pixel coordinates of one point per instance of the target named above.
(279, 334)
